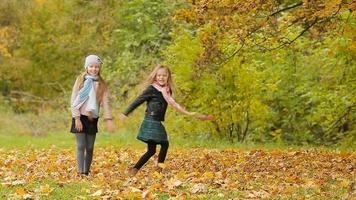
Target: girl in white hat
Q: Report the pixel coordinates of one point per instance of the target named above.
(89, 92)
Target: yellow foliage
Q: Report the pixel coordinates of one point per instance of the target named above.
(330, 7)
(40, 2)
(352, 6)
(187, 15)
(352, 46)
(4, 52)
(5, 39)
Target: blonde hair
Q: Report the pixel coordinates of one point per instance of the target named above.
(101, 88)
(152, 77)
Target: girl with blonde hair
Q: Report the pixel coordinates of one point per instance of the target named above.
(157, 94)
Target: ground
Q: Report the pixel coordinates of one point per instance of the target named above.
(190, 173)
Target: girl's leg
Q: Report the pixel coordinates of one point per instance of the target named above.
(90, 139)
(151, 150)
(163, 152)
(80, 138)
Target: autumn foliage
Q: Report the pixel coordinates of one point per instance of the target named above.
(188, 174)
(280, 71)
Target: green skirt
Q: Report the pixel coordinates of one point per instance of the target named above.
(152, 131)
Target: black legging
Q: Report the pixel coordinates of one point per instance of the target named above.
(151, 150)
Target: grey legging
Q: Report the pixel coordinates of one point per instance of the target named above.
(85, 148)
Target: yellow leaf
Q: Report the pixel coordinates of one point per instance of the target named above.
(173, 183)
(133, 195)
(133, 189)
(147, 195)
(156, 186)
(20, 191)
(46, 190)
(18, 182)
(161, 165)
(209, 175)
(158, 175)
(33, 157)
(345, 183)
(97, 193)
(181, 174)
(198, 188)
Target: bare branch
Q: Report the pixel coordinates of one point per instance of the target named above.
(298, 36)
(287, 8)
(232, 55)
(347, 112)
(56, 85)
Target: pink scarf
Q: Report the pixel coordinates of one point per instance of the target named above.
(167, 96)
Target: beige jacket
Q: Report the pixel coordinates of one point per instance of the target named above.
(81, 111)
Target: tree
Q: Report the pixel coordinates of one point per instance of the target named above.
(271, 41)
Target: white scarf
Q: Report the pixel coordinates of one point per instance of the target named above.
(87, 93)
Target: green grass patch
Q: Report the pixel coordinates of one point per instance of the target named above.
(126, 140)
(63, 140)
(47, 189)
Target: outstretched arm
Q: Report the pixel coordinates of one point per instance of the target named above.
(146, 95)
(202, 116)
(180, 109)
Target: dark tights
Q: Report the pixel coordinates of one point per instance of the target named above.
(85, 148)
(151, 150)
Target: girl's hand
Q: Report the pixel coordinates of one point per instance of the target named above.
(208, 117)
(204, 117)
(122, 117)
(78, 124)
(110, 125)
(192, 114)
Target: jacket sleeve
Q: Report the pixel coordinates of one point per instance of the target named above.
(106, 105)
(145, 96)
(75, 91)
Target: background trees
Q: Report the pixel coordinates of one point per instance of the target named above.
(268, 70)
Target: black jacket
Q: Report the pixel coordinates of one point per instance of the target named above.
(156, 104)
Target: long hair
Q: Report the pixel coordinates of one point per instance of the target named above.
(152, 77)
(101, 88)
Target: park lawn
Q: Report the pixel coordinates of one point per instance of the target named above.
(44, 167)
(123, 139)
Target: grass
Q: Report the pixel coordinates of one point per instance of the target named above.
(128, 140)
(62, 140)
(16, 132)
(64, 191)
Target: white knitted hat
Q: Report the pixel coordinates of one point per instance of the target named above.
(92, 59)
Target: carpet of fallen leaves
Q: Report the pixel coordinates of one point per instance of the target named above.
(187, 174)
